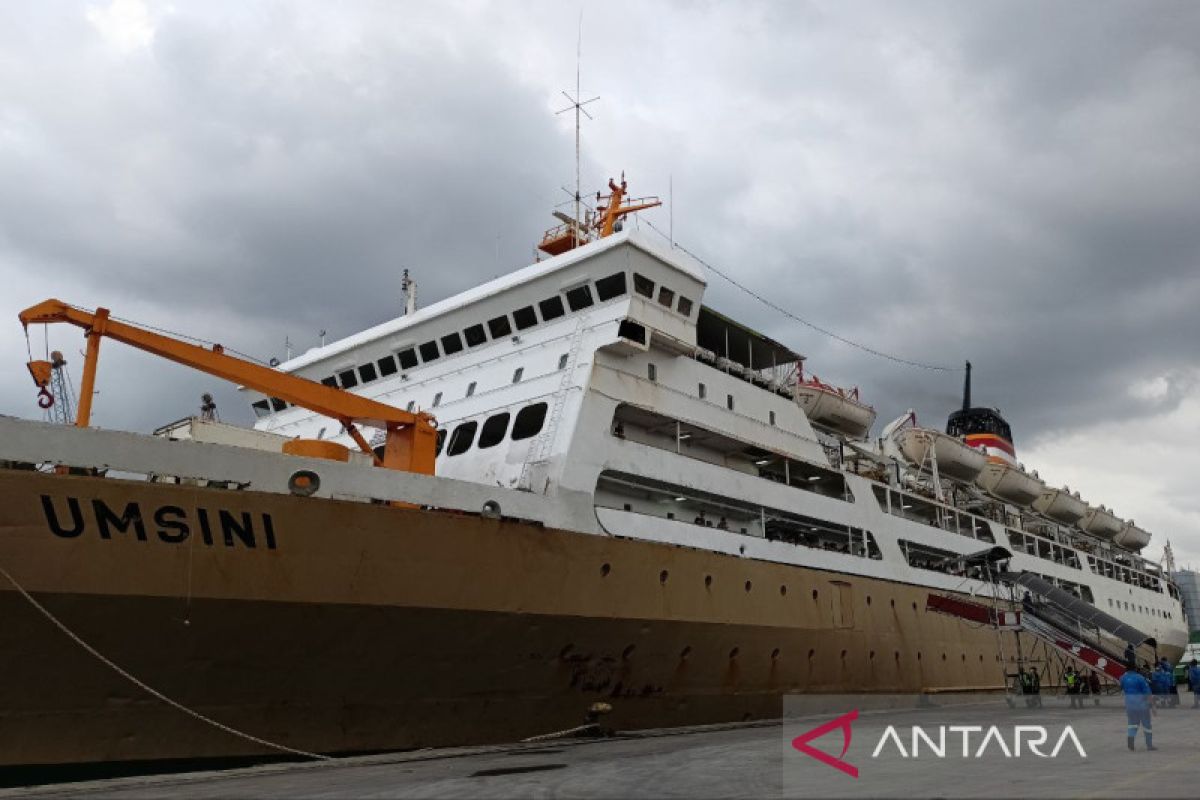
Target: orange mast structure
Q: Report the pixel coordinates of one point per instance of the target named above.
(574, 233)
(411, 437)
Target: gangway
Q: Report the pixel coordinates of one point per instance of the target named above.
(1064, 623)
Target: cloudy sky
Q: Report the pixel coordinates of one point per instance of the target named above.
(1014, 183)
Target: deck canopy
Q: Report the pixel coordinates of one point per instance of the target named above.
(740, 344)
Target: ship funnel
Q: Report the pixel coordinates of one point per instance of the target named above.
(967, 388)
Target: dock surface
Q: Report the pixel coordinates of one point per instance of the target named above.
(720, 761)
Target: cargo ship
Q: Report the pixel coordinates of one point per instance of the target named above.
(574, 484)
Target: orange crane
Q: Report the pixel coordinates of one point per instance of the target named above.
(411, 437)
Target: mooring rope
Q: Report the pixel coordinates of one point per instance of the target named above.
(45, 612)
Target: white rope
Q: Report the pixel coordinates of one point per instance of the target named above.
(150, 690)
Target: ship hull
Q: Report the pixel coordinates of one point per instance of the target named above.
(357, 627)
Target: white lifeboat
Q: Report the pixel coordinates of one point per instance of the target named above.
(1010, 482)
(1132, 537)
(839, 410)
(1061, 506)
(956, 460)
(1099, 521)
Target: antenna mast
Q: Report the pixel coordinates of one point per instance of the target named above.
(577, 104)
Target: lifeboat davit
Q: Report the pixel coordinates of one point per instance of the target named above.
(954, 459)
(1099, 521)
(1061, 506)
(839, 410)
(1010, 482)
(1132, 537)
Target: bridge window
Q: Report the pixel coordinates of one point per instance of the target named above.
(562, 361)
(643, 285)
(330, 381)
(685, 306)
(408, 358)
(665, 297)
(451, 344)
(348, 379)
(367, 373)
(437, 399)
(610, 287)
(628, 329)
(429, 352)
(261, 408)
(387, 366)
(580, 298)
(277, 404)
(518, 373)
(470, 388)
(475, 335)
(441, 441)
(525, 318)
(461, 439)
(499, 327)
(493, 430)
(551, 308)
(529, 421)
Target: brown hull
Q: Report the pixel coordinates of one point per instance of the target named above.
(367, 628)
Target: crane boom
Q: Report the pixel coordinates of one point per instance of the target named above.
(411, 437)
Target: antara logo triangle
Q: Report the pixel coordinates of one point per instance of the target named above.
(843, 722)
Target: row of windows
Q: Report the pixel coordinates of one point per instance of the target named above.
(527, 424)
(1131, 576)
(1043, 548)
(1128, 606)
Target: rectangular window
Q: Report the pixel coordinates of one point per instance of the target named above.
(529, 421)
(261, 408)
(499, 327)
(579, 298)
(475, 336)
(665, 296)
(729, 402)
(772, 417)
(437, 399)
(643, 285)
(551, 308)
(367, 373)
(493, 431)
(429, 352)
(461, 439)
(562, 361)
(470, 388)
(277, 404)
(348, 379)
(610, 287)
(703, 391)
(451, 344)
(330, 381)
(628, 329)
(685, 306)
(410, 405)
(517, 374)
(408, 358)
(652, 372)
(387, 366)
(525, 318)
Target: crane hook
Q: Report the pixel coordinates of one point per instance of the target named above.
(45, 399)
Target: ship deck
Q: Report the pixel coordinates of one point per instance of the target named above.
(748, 760)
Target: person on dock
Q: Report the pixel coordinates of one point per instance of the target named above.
(1071, 679)
(1093, 683)
(1138, 708)
(1193, 676)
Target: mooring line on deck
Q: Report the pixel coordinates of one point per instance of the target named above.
(45, 612)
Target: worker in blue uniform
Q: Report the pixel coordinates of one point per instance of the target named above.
(1193, 675)
(1138, 708)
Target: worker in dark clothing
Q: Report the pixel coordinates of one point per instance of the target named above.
(1193, 676)
(1130, 656)
(1093, 683)
(1138, 709)
(1025, 681)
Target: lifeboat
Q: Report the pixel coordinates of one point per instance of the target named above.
(840, 410)
(1009, 482)
(1099, 521)
(954, 459)
(1132, 537)
(1061, 506)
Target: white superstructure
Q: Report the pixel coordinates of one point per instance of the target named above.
(599, 373)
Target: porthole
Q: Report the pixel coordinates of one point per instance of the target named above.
(811, 654)
(628, 651)
(782, 590)
(662, 576)
(734, 653)
(816, 594)
(749, 585)
(775, 654)
(605, 569)
(685, 652)
(708, 580)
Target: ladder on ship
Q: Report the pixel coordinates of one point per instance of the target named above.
(1061, 624)
(543, 445)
